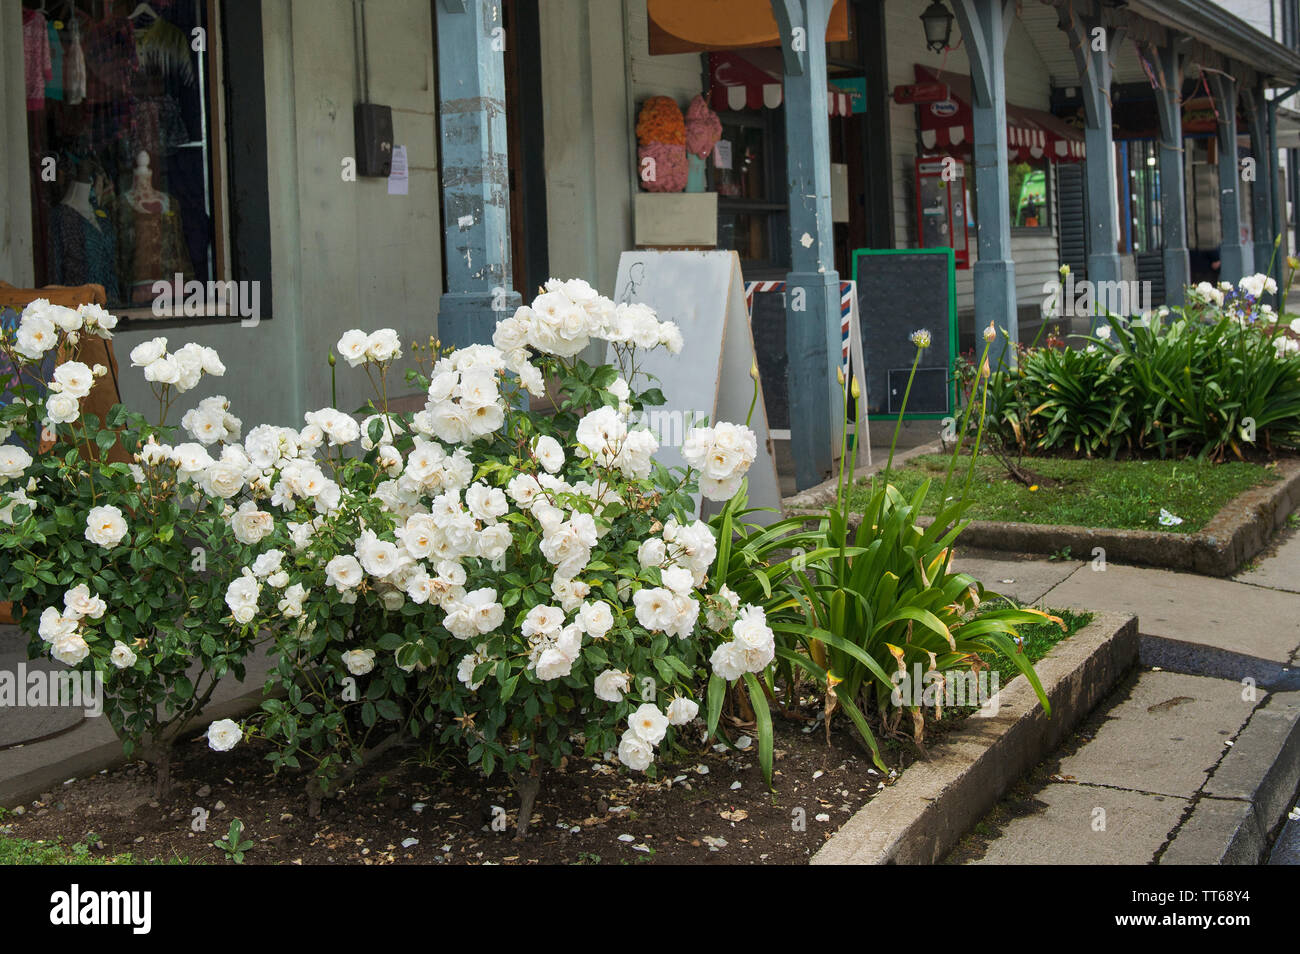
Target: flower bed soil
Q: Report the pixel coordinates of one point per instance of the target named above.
(583, 815)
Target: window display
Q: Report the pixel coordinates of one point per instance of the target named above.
(120, 144)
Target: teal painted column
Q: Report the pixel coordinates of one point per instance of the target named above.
(475, 179)
(1261, 193)
(1173, 187)
(1235, 255)
(984, 27)
(813, 317)
(1093, 53)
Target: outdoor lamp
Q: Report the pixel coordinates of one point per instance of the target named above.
(938, 26)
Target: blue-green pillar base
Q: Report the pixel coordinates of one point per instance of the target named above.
(995, 300)
(813, 347)
(1178, 272)
(466, 318)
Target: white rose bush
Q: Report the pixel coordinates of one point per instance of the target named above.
(111, 547)
(526, 585)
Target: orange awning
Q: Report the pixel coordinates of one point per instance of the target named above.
(694, 26)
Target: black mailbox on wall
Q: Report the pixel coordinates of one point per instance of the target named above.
(374, 132)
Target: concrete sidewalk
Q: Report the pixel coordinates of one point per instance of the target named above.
(1197, 765)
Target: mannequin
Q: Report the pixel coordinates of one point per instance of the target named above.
(150, 235)
(78, 199)
(82, 244)
(142, 196)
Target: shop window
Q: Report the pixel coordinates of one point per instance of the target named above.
(1030, 194)
(1029, 191)
(753, 213)
(1140, 196)
(121, 103)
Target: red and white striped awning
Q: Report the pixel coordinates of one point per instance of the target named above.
(753, 79)
(1031, 133)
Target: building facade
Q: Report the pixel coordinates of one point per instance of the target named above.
(219, 140)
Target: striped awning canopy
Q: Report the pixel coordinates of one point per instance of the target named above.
(753, 79)
(947, 126)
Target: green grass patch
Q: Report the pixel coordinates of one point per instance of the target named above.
(1121, 495)
(25, 851)
(1036, 640)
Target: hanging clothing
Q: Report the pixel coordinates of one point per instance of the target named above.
(54, 85)
(157, 127)
(36, 57)
(83, 253)
(110, 59)
(74, 75)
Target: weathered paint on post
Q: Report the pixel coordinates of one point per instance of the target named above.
(813, 286)
(1265, 156)
(1173, 186)
(1094, 44)
(475, 175)
(984, 28)
(1236, 256)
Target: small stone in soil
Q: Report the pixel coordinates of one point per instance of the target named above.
(818, 774)
(204, 791)
(701, 770)
(219, 807)
(823, 817)
(735, 785)
(410, 842)
(744, 742)
(626, 838)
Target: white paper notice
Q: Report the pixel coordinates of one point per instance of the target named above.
(398, 177)
(722, 154)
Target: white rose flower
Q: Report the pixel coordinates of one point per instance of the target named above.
(352, 347)
(241, 597)
(596, 619)
(465, 671)
(343, 572)
(611, 684)
(147, 352)
(656, 608)
(73, 377)
(55, 625)
(635, 752)
(79, 602)
(249, 524)
(728, 661)
(359, 661)
(36, 335)
(549, 454)
(69, 648)
(383, 345)
(224, 735)
(682, 710)
(652, 552)
(61, 408)
(105, 526)
(166, 370)
(648, 723)
(13, 461)
(122, 656)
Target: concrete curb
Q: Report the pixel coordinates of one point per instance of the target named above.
(934, 803)
(23, 788)
(1235, 534)
(1239, 809)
